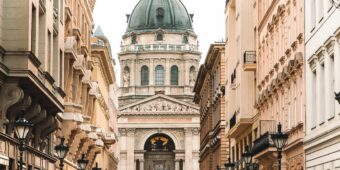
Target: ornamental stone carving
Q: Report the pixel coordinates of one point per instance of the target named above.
(160, 105)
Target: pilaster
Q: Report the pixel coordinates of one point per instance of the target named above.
(130, 143)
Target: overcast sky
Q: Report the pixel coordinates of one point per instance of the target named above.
(208, 21)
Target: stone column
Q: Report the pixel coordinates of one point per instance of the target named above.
(336, 72)
(133, 74)
(177, 164)
(141, 164)
(130, 144)
(151, 77)
(328, 102)
(167, 76)
(122, 148)
(188, 148)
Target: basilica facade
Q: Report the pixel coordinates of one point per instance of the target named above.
(158, 121)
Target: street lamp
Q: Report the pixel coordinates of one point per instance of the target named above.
(21, 128)
(61, 150)
(337, 97)
(280, 141)
(82, 162)
(229, 165)
(336, 3)
(247, 156)
(96, 168)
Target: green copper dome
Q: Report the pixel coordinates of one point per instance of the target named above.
(149, 15)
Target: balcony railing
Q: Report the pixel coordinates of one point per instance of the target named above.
(159, 47)
(249, 60)
(232, 121)
(249, 57)
(267, 127)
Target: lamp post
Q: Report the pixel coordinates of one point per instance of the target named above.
(247, 156)
(280, 141)
(229, 165)
(96, 167)
(61, 150)
(82, 162)
(337, 97)
(21, 128)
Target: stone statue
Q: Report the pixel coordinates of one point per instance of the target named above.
(192, 76)
(126, 77)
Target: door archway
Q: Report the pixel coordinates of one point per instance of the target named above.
(159, 153)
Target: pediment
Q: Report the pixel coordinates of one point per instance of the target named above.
(160, 104)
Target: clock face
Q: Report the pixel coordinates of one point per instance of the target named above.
(159, 165)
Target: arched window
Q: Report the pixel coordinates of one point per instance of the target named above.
(174, 75)
(159, 75)
(145, 76)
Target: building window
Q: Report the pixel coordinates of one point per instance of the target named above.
(134, 39)
(181, 164)
(159, 36)
(137, 164)
(185, 39)
(33, 30)
(312, 14)
(314, 111)
(11, 164)
(174, 75)
(145, 76)
(320, 10)
(159, 75)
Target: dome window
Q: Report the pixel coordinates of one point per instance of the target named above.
(133, 39)
(185, 39)
(160, 13)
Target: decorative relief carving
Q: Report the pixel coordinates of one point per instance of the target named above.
(122, 132)
(160, 105)
(140, 134)
(196, 131)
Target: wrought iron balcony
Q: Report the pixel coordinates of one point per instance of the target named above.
(249, 60)
(261, 144)
(159, 47)
(232, 121)
(267, 127)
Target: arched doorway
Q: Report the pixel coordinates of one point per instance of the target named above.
(159, 153)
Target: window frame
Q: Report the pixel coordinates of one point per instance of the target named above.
(159, 75)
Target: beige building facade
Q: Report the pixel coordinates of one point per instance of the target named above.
(281, 81)
(265, 80)
(158, 122)
(322, 81)
(31, 52)
(240, 58)
(210, 96)
(87, 123)
(61, 80)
